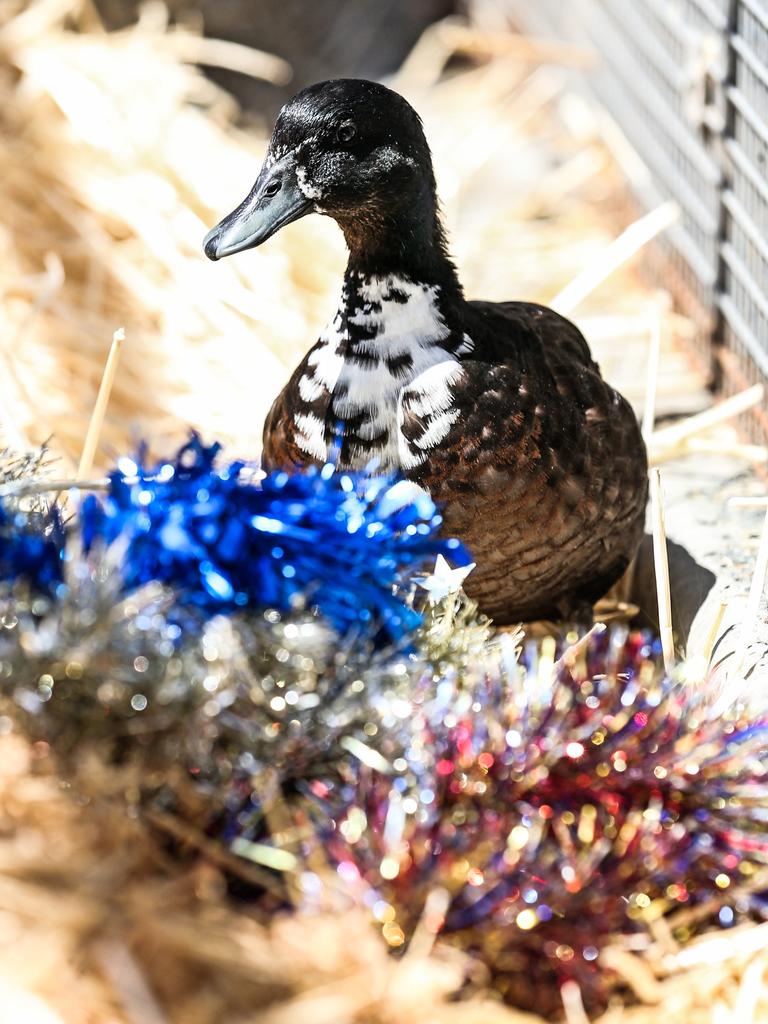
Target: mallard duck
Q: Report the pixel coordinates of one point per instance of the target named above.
(496, 408)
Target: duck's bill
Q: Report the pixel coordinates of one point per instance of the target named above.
(262, 212)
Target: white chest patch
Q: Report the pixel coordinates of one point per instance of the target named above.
(380, 358)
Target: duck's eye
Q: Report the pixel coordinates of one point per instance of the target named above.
(272, 188)
(346, 132)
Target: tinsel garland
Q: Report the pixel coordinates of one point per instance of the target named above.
(337, 541)
(224, 541)
(552, 810)
(262, 636)
(117, 632)
(32, 534)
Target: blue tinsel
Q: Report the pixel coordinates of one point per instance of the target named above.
(332, 540)
(31, 547)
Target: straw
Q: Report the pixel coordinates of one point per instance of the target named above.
(622, 249)
(652, 374)
(756, 591)
(756, 453)
(47, 485)
(758, 501)
(661, 565)
(221, 53)
(714, 631)
(570, 993)
(100, 408)
(725, 410)
(129, 982)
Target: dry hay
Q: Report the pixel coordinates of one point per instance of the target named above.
(114, 157)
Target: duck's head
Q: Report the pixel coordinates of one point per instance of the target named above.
(348, 148)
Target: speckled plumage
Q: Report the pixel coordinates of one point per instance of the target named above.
(496, 408)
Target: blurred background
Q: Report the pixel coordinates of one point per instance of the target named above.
(129, 129)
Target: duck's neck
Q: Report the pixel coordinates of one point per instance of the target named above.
(405, 239)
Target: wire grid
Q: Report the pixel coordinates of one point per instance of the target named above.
(687, 83)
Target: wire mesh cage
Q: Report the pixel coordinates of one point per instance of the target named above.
(687, 83)
(744, 299)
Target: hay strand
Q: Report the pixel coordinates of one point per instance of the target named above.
(661, 565)
(719, 413)
(573, 1006)
(96, 423)
(756, 592)
(756, 501)
(221, 53)
(622, 249)
(652, 377)
(714, 632)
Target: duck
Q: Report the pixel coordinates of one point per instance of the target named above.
(496, 409)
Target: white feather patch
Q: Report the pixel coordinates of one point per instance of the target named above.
(310, 388)
(307, 189)
(466, 346)
(430, 395)
(311, 435)
(407, 326)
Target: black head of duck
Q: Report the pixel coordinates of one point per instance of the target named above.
(355, 151)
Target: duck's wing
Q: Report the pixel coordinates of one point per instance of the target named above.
(280, 447)
(531, 421)
(542, 474)
(507, 421)
(278, 450)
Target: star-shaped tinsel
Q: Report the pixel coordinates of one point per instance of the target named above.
(444, 580)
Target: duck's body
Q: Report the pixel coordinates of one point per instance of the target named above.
(504, 418)
(496, 408)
